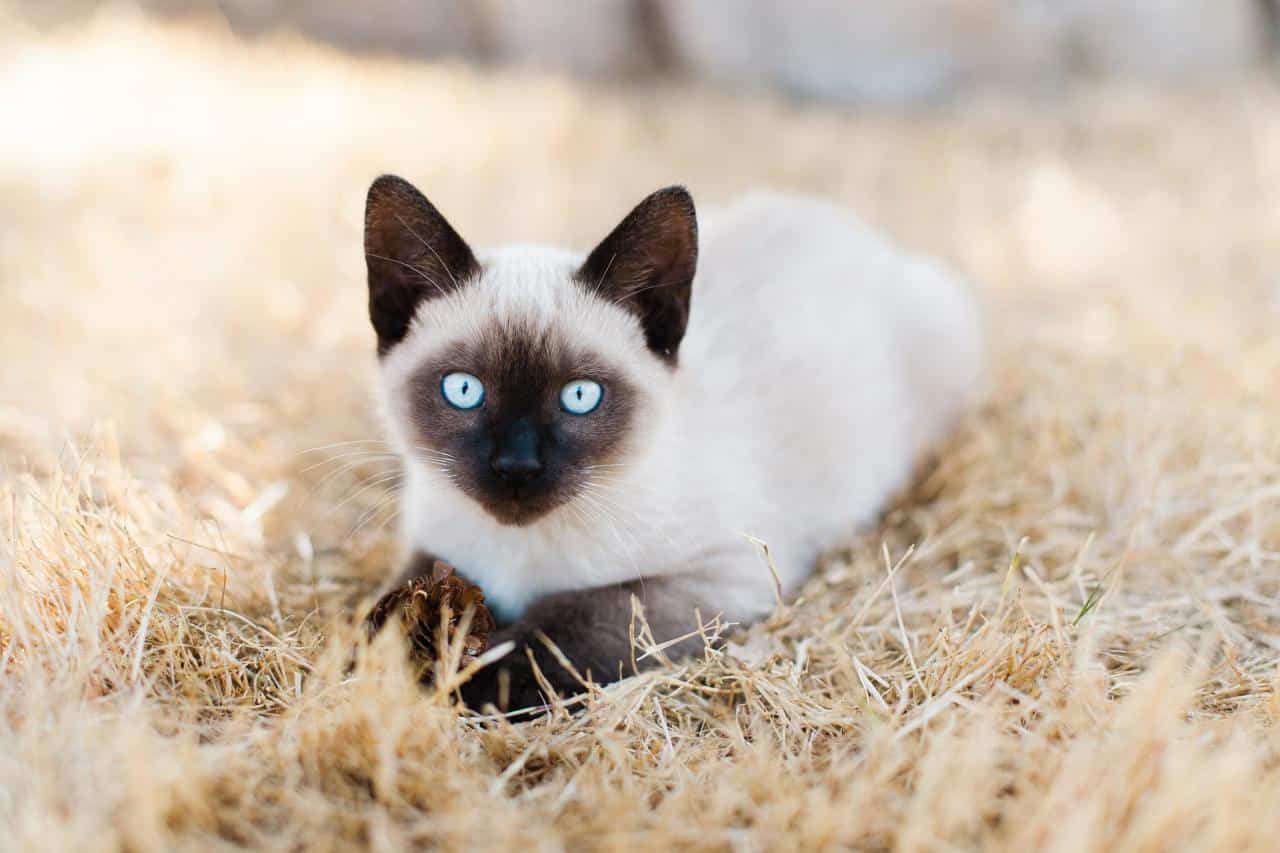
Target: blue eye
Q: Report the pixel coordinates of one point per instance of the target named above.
(581, 396)
(462, 390)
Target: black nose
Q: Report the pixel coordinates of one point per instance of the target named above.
(516, 468)
(516, 459)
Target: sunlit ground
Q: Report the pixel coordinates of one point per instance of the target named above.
(1080, 652)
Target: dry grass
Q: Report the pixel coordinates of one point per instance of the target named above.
(1077, 647)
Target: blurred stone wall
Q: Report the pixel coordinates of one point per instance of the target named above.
(855, 50)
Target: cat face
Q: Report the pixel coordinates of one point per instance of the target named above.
(521, 418)
(524, 377)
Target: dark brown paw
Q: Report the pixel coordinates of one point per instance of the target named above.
(422, 602)
(510, 684)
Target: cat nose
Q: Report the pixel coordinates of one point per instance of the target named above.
(516, 459)
(517, 467)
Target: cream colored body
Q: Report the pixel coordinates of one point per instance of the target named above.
(818, 364)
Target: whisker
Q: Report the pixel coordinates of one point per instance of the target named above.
(343, 444)
(360, 454)
(421, 272)
(376, 481)
(430, 249)
(350, 466)
(632, 293)
(612, 525)
(599, 286)
(372, 513)
(648, 525)
(391, 516)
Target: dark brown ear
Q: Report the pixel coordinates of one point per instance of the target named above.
(412, 253)
(646, 265)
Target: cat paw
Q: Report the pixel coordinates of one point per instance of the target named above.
(508, 686)
(420, 605)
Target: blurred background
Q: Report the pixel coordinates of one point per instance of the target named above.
(843, 50)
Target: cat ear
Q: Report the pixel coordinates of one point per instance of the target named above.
(413, 254)
(646, 265)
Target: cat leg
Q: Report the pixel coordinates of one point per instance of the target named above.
(593, 629)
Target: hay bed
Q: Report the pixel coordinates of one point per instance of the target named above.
(1076, 649)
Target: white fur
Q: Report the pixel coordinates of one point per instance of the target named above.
(817, 366)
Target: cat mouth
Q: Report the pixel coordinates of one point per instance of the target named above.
(523, 504)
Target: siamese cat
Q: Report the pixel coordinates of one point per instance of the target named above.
(580, 431)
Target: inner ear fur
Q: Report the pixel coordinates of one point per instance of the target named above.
(646, 265)
(412, 253)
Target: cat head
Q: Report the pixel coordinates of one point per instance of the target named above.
(524, 376)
